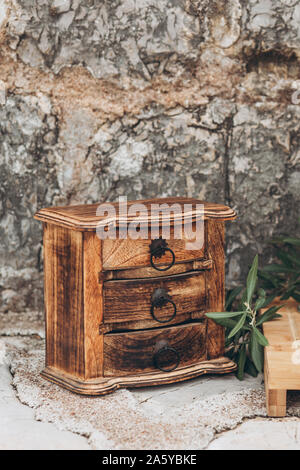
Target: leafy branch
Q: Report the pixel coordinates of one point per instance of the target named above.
(284, 277)
(245, 341)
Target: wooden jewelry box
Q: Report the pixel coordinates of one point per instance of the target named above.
(129, 312)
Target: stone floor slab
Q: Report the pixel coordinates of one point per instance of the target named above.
(207, 412)
(260, 435)
(20, 430)
(164, 399)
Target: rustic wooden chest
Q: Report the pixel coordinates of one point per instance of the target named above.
(129, 311)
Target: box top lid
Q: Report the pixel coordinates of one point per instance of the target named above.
(155, 211)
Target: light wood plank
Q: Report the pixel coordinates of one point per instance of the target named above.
(282, 358)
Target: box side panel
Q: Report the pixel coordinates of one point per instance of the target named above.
(63, 255)
(215, 285)
(93, 305)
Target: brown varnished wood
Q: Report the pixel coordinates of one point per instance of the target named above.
(132, 353)
(148, 271)
(129, 253)
(84, 218)
(102, 386)
(100, 334)
(215, 285)
(130, 300)
(93, 306)
(146, 324)
(64, 299)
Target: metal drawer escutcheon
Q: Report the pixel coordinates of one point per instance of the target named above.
(161, 356)
(158, 248)
(160, 297)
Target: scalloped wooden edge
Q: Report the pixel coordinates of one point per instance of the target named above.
(105, 385)
(84, 218)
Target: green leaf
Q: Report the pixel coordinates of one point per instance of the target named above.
(271, 317)
(278, 240)
(252, 279)
(218, 315)
(271, 280)
(238, 326)
(261, 293)
(292, 288)
(259, 303)
(292, 241)
(268, 300)
(260, 337)
(232, 296)
(243, 300)
(278, 268)
(241, 362)
(256, 351)
(285, 258)
(296, 259)
(226, 322)
(286, 295)
(269, 314)
(250, 368)
(296, 296)
(290, 257)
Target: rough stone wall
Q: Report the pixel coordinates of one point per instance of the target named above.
(100, 98)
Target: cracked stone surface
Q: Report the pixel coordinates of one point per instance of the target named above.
(20, 430)
(205, 413)
(146, 98)
(260, 435)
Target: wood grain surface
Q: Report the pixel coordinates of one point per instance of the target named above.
(100, 334)
(130, 300)
(64, 299)
(215, 285)
(102, 386)
(148, 271)
(133, 352)
(93, 306)
(83, 217)
(129, 253)
(282, 357)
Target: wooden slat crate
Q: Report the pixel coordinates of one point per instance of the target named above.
(282, 358)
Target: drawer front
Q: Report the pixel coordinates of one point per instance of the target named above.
(122, 254)
(167, 300)
(160, 350)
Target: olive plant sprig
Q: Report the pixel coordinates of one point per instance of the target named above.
(284, 276)
(245, 341)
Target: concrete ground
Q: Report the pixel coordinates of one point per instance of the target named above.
(206, 413)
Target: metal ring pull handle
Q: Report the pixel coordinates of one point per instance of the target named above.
(159, 356)
(160, 298)
(158, 248)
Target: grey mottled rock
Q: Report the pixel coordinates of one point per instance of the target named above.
(146, 98)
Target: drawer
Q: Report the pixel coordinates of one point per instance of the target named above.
(128, 253)
(160, 350)
(151, 302)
